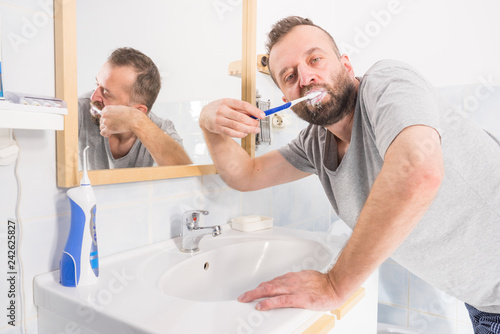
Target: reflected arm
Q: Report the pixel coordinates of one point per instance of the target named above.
(125, 121)
(163, 148)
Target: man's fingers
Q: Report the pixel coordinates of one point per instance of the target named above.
(229, 119)
(105, 133)
(279, 302)
(264, 290)
(306, 289)
(229, 112)
(237, 127)
(244, 107)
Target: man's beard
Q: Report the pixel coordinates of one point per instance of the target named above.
(339, 101)
(95, 118)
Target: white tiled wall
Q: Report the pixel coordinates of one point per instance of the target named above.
(406, 300)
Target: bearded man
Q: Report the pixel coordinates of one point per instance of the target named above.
(415, 180)
(116, 122)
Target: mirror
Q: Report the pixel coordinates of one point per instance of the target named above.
(192, 44)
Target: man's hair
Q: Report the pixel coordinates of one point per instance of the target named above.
(281, 28)
(148, 82)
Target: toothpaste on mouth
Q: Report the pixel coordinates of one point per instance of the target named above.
(95, 111)
(317, 100)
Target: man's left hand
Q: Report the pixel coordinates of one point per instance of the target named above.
(117, 119)
(307, 289)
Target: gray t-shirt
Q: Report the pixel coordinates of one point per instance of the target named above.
(456, 245)
(99, 153)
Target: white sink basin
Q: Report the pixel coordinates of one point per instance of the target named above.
(159, 289)
(226, 272)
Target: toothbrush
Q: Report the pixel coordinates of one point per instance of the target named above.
(79, 265)
(95, 109)
(290, 104)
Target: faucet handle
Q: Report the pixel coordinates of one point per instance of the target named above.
(191, 216)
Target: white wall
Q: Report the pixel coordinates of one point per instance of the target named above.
(191, 42)
(450, 42)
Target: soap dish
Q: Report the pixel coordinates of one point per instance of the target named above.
(251, 223)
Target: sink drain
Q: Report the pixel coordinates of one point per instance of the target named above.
(206, 265)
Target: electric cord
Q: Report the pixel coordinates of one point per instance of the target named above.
(22, 300)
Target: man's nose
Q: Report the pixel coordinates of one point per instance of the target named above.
(96, 95)
(306, 76)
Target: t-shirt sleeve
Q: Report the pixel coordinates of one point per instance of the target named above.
(296, 152)
(396, 97)
(169, 128)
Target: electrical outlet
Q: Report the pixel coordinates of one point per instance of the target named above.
(281, 120)
(277, 121)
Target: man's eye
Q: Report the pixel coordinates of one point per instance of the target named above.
(104, 92)
(315, 60)
(289, 77)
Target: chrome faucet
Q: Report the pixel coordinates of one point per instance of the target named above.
(192, 233)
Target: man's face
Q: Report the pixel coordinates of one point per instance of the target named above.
(114, 85)
(304, 61)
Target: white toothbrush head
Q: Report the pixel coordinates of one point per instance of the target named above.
(312, 95)
(309, 96)
(95, 111)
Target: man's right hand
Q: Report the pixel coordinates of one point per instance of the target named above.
(231, 117)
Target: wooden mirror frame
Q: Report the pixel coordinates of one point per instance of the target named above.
(65, 47)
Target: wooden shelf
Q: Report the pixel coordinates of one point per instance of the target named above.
(18, 116)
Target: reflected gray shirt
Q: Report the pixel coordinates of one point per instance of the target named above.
(455, 246)
(99, 153)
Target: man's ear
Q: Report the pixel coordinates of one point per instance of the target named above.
(142, 108)
(346, 62)
(284, 99)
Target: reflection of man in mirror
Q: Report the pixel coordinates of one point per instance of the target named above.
(115, 120)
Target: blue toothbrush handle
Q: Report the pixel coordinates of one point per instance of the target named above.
(275, 110)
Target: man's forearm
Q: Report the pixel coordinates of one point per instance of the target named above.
(399, 198)
(233, 164)
(163, 148)
(386, 220)
(222, 120)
